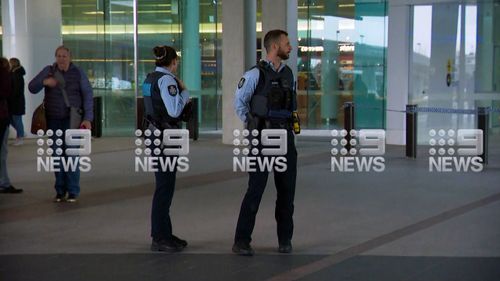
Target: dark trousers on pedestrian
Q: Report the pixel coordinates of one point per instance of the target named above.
(4, 126)
(161, 226)
(285, 187)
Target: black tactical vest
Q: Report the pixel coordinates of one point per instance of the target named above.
(273, 97)
(154, 108)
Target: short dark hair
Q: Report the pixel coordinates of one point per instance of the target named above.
(273, 36)
(14, 62)
(62, 47)
(164, 55)
(4, 64)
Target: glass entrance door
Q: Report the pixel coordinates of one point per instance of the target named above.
(341, 58)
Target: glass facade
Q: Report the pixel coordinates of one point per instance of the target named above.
(341, 58)
(341, 51)
(101, 37)
(455, 63)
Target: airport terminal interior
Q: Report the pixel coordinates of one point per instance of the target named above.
(412, 221)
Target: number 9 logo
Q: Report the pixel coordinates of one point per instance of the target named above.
(177, 142)
(274, 137)
(471, 138)
(78, 138)
(374, 139)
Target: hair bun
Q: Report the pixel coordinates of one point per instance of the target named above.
(164, 55)
(160, 52)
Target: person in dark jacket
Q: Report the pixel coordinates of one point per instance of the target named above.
(64, 76)
(17, 101)
(5, 93)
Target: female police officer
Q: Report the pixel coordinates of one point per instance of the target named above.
(165, 97)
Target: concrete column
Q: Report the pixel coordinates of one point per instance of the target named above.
(397, 71)
(31, 32)
(443, 49)
(496, 52)
(281, 14)
(292, 29)
(235, 44)
(250, 33)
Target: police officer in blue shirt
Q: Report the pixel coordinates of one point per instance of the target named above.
(266, 99)
(165, 98)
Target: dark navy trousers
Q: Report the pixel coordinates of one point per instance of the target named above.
(161, 226)
(285, 187)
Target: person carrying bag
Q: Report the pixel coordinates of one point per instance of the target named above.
(68, 105)
(39, 120)
(75, 113)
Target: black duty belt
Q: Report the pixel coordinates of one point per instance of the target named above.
(279, 124)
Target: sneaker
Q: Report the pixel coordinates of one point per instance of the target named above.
(243, 249)
(18, 142)
(10, 189)
(71, 198)
(59, 198)
(180, 241)
(166, 246)
(285, 248)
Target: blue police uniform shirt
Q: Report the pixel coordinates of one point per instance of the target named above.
(173, 99)
(246, 87)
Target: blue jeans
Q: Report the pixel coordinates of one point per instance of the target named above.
(66, 182)
(17, 123)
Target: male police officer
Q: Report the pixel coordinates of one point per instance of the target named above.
(265, 99)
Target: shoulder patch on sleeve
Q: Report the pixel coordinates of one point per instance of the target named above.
(241, 83)
(172, 90)
(146, 89)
